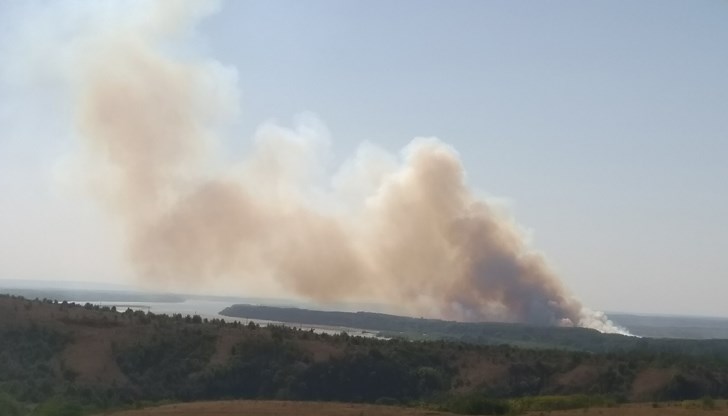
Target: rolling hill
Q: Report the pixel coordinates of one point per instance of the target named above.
(101, 358)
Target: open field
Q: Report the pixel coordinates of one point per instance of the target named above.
(283, 408)
(277, 408)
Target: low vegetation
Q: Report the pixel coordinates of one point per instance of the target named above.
(287, 408)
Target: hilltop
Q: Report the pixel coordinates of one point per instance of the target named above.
(484, 333)
(105, 358)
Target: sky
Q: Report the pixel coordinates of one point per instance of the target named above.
(602, 125)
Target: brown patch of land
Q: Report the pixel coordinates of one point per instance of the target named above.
(581, 375)
(90, 356)
(277, 408)
(321, 351)
(94, 333)
(478, 371)
(649, 381)
(226, 340)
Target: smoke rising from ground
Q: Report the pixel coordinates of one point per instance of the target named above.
(403, 229)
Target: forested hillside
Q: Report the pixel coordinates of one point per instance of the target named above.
(486, 333)
(103, 358)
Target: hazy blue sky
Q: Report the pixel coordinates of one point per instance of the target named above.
(604, 123)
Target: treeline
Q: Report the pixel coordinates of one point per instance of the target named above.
(486, 333)
(159, 357)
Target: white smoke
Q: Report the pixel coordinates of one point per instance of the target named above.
(403, 229)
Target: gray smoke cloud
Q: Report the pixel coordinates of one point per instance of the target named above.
(402, 229)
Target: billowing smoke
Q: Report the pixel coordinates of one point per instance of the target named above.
(402, 229)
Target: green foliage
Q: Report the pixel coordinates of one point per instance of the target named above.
(276, 367)
(480, 404)
(9, 406)
(163, 365)
(668, 351)
(551, 403)
(707, 403)
(26, 368)
(683, 387)
(475, 404)
(260, 367)
(58, 407)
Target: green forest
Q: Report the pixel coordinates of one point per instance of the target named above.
(485, 333)
(60, 358)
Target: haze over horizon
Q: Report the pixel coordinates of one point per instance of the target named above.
(603, 127)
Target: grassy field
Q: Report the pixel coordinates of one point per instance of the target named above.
(284, 408)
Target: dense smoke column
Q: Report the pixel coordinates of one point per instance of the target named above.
(405, 229)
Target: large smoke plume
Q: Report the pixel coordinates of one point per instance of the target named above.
(402, 229)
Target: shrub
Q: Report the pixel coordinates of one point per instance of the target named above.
(58, 407)
(476, 404)
(9, 406)
(707, 403)
(550, 403)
